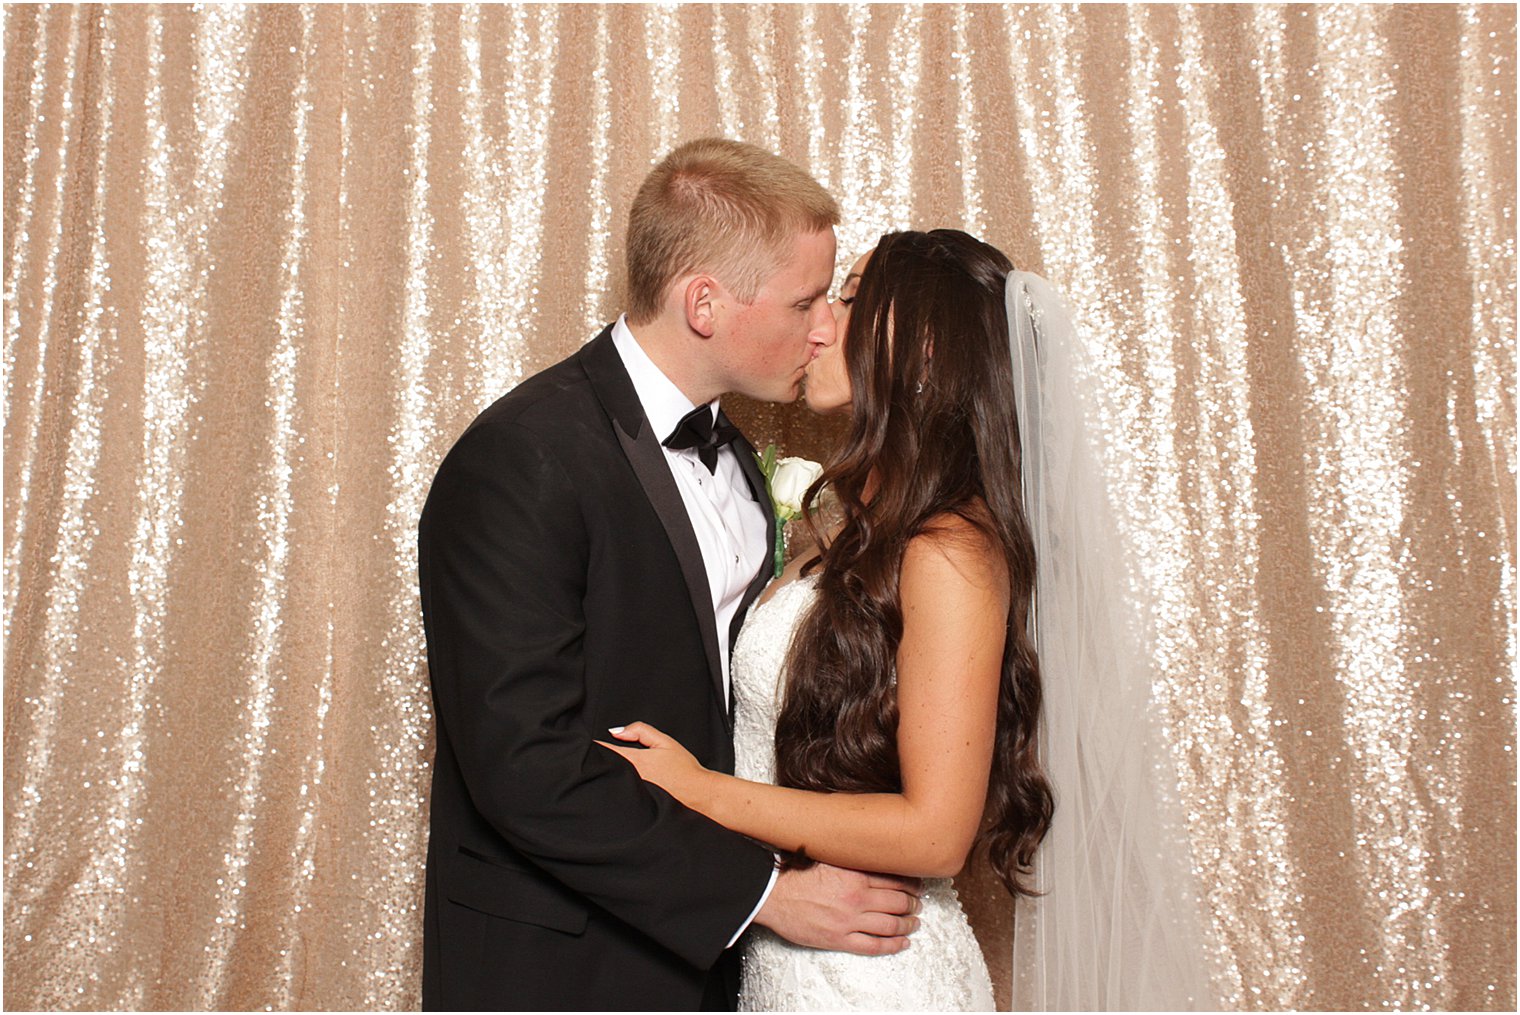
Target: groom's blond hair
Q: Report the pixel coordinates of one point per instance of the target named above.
(718, 206)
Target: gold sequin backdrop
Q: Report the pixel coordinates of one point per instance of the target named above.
(262, 264)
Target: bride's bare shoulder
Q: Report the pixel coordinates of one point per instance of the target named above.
(957, 545)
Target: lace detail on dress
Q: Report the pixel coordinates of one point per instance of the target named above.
(942, 970)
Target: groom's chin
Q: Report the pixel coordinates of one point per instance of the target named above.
(786, 396)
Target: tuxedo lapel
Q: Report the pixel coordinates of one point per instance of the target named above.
(609, 378)
(756, 480)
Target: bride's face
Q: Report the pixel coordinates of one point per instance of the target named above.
(827, 387)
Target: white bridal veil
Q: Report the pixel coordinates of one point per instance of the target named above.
(1118, 924)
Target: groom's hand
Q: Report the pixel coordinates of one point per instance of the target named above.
(843, 910)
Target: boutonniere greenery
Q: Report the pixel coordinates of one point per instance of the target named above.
(787, 481)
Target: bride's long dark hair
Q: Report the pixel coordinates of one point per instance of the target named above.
(932, 434)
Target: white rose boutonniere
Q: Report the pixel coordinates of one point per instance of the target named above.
(787, 480)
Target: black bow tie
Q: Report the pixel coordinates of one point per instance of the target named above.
(696, 430)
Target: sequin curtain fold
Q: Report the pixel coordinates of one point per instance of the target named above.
(263, 263)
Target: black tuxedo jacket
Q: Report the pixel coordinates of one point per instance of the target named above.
(563, 592)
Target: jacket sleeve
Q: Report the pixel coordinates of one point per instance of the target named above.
(503, 562)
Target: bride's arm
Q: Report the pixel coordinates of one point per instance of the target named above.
(954, 591)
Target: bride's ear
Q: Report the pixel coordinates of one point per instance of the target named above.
(699, 299)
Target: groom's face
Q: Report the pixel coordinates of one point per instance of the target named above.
(768, 343)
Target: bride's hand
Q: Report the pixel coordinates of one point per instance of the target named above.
(664, 762)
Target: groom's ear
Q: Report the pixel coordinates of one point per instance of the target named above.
(701, 296)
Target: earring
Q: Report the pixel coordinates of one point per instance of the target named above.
(920, 389)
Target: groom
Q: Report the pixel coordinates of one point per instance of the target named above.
(587, 553)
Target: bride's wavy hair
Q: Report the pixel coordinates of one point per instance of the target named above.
(932, 433)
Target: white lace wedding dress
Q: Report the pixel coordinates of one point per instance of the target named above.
(941, 970)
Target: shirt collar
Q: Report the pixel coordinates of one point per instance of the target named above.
(663, 402)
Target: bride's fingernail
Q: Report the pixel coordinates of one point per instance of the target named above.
(615, 730)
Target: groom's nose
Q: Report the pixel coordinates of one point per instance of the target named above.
(822, 331)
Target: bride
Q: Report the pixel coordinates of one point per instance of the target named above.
(887, 688)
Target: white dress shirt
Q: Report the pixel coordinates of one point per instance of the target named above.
(730, 524)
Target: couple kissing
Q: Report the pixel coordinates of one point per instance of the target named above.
(644, 800)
